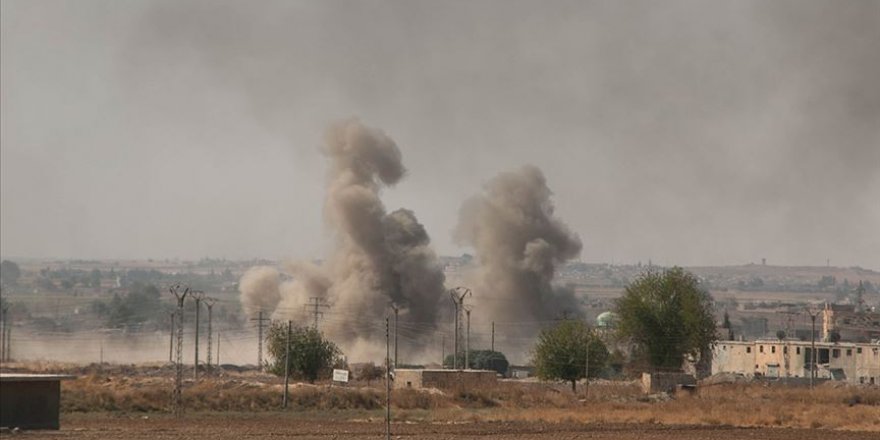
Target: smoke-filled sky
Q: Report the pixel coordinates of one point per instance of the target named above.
(686, 132)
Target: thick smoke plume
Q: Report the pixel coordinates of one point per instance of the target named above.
(259, 290)
(519, 244)
(379, 257)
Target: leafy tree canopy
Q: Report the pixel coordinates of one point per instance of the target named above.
(483, 360)
(561, 352)
(667, 315)
(311, 355)
(9, 272)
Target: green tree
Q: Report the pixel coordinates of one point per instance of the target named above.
(9, 272)
(667, 315)
(95, 278)
(561, 352)
(369, 372)
(483, 360)
(311, 355)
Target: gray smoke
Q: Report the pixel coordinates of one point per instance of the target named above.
(519, 244)
(259, 288)
(378, 258)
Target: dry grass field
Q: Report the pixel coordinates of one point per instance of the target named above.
(129, 390)
(132, 402)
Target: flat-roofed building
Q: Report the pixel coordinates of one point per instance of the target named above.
(850, 361)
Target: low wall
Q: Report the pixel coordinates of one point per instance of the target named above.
(653, 383)
(444, 379)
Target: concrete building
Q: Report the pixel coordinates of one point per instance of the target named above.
(443, 379)
(850, 323)
(849, 361)
(30, 401)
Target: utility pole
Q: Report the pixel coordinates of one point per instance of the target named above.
(387, 381)
(587, 370)
(813, 356)
(315, 303)
(4, 315)
(8, 337)
(443, 352)
(218, 348)
(287, 364)
(493, 336)
(171, 341)
(179, 292)
(209, 302)
(458, 294)
(467, 341)
(396, 309)
(199, 296)
(260, 320)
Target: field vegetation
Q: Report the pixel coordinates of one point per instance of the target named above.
(147, 390)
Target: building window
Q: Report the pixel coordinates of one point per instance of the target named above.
(798, 350)
(835, 353)
(772, 349)
(749, 350)
(849, 351)
(761, 348)
(859, 350)
(784, 350)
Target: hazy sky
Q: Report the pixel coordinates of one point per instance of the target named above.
(686, 132)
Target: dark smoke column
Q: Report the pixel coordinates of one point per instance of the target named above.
(379, 257)
(519, 243)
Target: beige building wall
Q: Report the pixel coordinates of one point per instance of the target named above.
(859, 363)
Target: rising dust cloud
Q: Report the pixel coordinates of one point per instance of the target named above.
(382, 258)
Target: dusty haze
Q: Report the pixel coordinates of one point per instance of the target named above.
(686, 132)
(379, 258)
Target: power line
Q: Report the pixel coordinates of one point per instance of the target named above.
(458, 294)
(199, 296)
(316, 303)
(209, 302)
(178, 373)
(260, 320)
(396, 309)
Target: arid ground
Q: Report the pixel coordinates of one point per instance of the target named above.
(276, 425)
(134, 402)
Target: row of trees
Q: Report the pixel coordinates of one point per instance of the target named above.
(665, 317)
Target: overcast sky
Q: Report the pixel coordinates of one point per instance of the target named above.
(686, 132)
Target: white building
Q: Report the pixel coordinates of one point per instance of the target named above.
(849, 361)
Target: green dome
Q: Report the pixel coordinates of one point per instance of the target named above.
(606, 320)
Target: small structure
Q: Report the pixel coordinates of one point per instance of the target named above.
(653, 383)
(443, 379)
(30, 401)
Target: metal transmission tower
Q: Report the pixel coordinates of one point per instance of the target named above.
(209, 302)
(458, 294)
(467, 340)
(171, 342)
(260, 320)
(388, 378)
(199, 296)
(180, 292)
(396, 309)
(315, 303)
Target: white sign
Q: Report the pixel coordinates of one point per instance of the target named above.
(340, 376)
